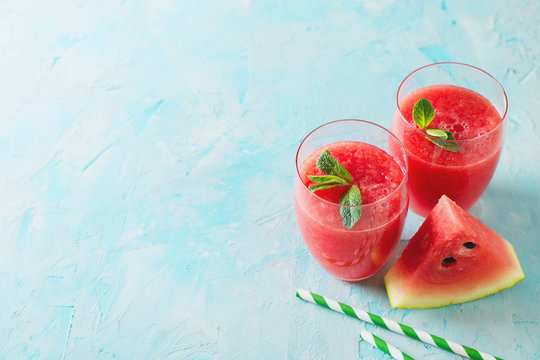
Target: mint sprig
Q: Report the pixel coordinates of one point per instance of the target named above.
(326, 182)
(337, 175)
(423, 114)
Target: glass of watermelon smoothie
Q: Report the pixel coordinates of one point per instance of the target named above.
(471, 105)
(377, 164)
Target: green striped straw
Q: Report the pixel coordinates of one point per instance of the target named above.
(384, 346)
(395, 326)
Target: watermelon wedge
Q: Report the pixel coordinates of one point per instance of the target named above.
(452, 258)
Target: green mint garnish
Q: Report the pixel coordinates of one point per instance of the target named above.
(351, 211)
(423, 114)
(438, 133)
(330, 166)
(444, 135)
(337, 175)
(326, 182)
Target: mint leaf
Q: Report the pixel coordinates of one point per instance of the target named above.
(326, 182)
(330, 166)
(446, 145)
(328, 179)
(351, 211)
(423, 113)
(443, 135)
(438, 133)
(317, 187)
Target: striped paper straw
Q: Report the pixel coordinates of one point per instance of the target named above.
(395, 326)
(384, 346)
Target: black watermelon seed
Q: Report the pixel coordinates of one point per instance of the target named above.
(448, 261)
(469, 245)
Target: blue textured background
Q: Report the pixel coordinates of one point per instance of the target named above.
(148, 153)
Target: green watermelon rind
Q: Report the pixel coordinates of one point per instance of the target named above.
(399, 298)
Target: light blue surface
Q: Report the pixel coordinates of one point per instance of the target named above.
(148, 154)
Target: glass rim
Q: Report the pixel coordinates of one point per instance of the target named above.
(419, 131)
(400, 185)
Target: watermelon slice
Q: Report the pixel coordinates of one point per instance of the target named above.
(452, 258)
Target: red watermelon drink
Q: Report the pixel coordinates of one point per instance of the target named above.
(469, 108)
(351, 196)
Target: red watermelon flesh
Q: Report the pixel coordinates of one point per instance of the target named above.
(452, 258)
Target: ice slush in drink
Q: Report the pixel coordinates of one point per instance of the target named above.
(462, 175)
(355, 253)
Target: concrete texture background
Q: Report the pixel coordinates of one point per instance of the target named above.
(148, 153)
